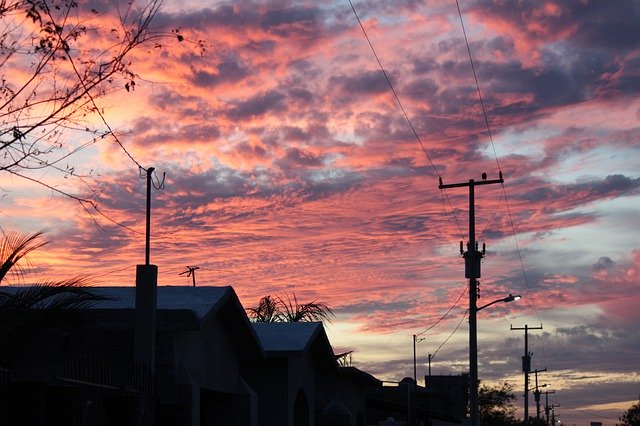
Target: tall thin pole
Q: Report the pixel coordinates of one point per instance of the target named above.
(526, 368)
(473, 310)
(415, 370)
(148, 227)
(472, 271)
(536, 393)
(547, 408)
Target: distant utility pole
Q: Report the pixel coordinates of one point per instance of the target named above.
(191, 272)
(415, 368)
(547, 408)
(536, 393)
(472, 259)
(526, 368)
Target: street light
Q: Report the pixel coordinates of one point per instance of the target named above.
(473, 354)
(509, 298)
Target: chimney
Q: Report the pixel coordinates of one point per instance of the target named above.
(145, 316)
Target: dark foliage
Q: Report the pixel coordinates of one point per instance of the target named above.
(495, 405)
(632, 416)
(26, 309)
(288, 309)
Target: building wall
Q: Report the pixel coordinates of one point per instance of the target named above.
(302, 378)
(208, 357)
(269, 378)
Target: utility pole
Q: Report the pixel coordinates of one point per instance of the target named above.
(430, 355)
(526, 367)
(472, 259)
(547, 408)
(415, 370)
(536, 393)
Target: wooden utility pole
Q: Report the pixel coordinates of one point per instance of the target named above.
(472, 259)
(526, 368)
(415, 370)
(547, 407)
(536, 393)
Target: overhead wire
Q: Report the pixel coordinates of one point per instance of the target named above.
(404, 111)
(590, 413)
(504, 191)
(490, 134)
(452, 333)
(446, 313)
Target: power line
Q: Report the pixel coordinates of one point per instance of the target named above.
(395, 94)
(504, 191)
(404, 112)
(452, 333)
(447, 313)
(475, 76)
(590, 413)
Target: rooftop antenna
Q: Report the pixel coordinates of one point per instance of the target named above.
(191, 272)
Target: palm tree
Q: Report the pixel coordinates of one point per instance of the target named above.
(24, 310)
(266, 311)
(286, 309)
(303, 312)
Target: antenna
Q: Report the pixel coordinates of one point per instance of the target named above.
(191, 272)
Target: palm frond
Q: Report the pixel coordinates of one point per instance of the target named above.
(14, 248)
(47, 304)
(286, 308)
(266, 311)
(25, 310)
(294, 311)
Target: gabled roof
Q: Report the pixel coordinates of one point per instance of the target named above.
(179, 308)
(287, 336)
(283, 339)
(202, 301)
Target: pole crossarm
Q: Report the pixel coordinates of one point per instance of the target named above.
(471, 182)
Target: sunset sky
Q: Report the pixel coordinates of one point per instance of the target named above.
(290, 167)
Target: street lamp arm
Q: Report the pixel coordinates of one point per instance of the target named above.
(509, 298)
